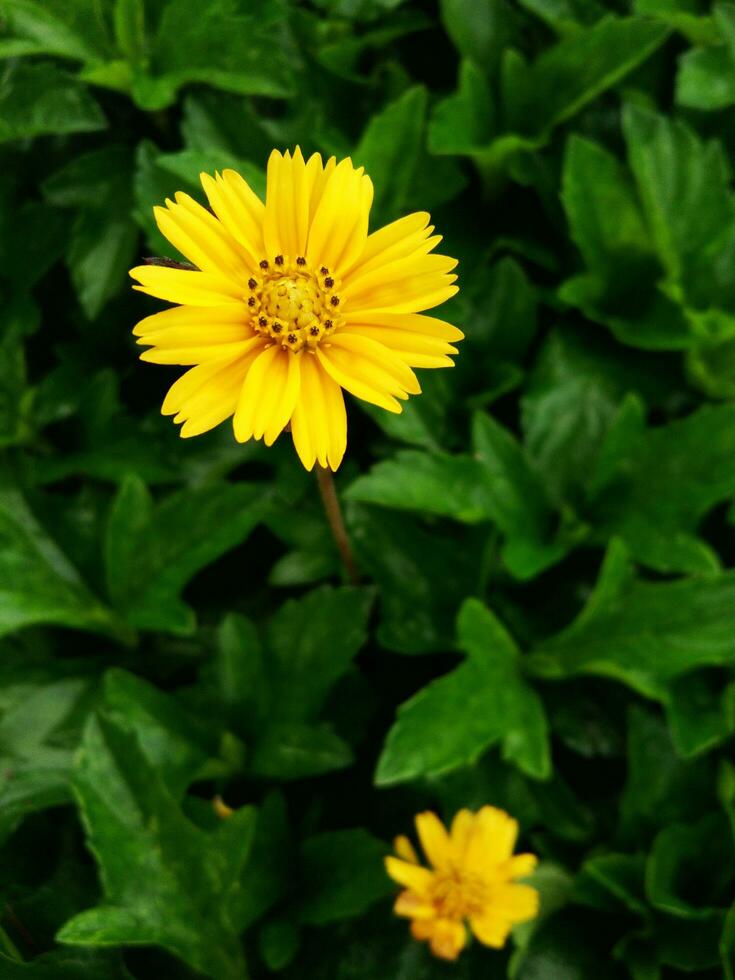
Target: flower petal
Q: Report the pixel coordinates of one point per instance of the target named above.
(394, 241)
(207, 394)
(287, 201)
(427, 326)
(490, 930)
(201, 238)
(255, 393)
(493, 839)
(412, 295)
(358, 291)
(239, 209)
(319, 420)
(519, 866)
(412, 876)
(413, 906)
(283, 397)
(461, 833)
(377, 362)
(188, 287)
(405, 849)
(447, 938)
(347, 373)
(221, 325)
(339, 228)
(434, 839)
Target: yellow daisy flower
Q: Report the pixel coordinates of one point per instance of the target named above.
(471, 880)
(291, 301)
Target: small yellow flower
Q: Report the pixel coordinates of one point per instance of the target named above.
(291, 301)
(471, 880)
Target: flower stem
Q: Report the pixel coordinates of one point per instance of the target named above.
(336, 522)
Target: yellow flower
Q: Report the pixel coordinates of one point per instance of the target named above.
(471, 880)
(291, 301)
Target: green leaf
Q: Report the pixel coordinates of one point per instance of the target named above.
(248, 51)
(696, 713)
(151, 552)
(682, 853)
(463, 123)
(691, 620)
(478, 28)
(683, 183)
(414, 480)
(100, 252)
(661, 788)
(66, 965)
(619, 287)
(342, 875)
(129, 19)
(311, 644)
(173, 742)
(578, 69)
(39, 729)
(39, 99)
(294, 750)
(663, 485)
(67, 30)
(166, 882)
(482, 702)
(392, 151)
(276, 696)
(496, 484)
(706, 76)
(38, 582)
(423, 576)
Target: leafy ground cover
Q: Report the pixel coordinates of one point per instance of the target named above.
(546, 619)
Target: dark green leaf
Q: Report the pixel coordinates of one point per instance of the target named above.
(489, 702)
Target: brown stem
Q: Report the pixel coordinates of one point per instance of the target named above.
(336, 522)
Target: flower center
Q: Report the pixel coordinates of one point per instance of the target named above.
(457, 895)
(294, 305)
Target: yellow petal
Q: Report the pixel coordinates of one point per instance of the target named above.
(493, 839)
(317, 179)
(393, 241)
(418, 323)
(490, 930)
(413, 295)
(461, 832)
(413, 349)
(319, 420)
(286, 205)
(339, 227)
(197, 355)
(239, 209)
(201, 238)
(405, 849)
(221, 325)
(377, 363)
(519, 866)
(342, 370)
(434, 839)
(190, 288)
(255, 393)
(413, 906)
(412, 876)
(206, 395)
(357, 292)
(446, 937)
(517, 903)
(283, 397)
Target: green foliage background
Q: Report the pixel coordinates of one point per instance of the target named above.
(547, 621)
